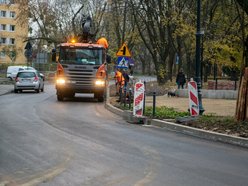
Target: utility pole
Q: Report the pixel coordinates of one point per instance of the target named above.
(198, 56)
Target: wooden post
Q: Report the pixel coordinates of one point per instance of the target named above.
(242, 101)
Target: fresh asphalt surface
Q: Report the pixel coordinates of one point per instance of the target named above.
(79, 142)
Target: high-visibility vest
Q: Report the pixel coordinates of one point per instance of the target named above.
(119, 78)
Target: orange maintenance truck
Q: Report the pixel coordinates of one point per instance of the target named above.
(81, 68)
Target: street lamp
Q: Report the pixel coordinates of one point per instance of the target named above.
(198, 56)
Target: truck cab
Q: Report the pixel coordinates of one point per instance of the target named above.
(80, 69)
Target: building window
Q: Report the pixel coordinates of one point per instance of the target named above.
(3, 1)
(7, 2)
(12, 14)
(3, 27)
(12, 28)
(3, 40)
(2, 54)
(3, 13)
(12, 41)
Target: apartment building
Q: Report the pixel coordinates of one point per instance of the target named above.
(12, 34)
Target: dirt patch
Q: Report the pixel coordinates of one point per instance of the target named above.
(218, 115)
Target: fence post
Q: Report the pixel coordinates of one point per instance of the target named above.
(144, 103)
(130, 97)
(125, 96)
(235, 84)
(154, 104)
(216, 84)
(120, 94)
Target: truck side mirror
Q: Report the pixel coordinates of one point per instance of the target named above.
(108, 58)
(53, 55)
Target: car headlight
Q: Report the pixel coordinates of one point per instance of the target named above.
(60, 81)
(99, 83)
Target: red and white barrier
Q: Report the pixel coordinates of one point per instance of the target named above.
(193, 98)
(138, 104)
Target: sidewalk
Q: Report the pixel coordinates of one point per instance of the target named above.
(220, 107)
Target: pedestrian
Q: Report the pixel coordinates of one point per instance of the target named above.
(180, 80)
(126, 77)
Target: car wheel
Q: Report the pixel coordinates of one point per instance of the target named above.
(15, 91)
(37, 90)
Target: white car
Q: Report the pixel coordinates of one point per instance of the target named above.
(29, 80)
(13, 70)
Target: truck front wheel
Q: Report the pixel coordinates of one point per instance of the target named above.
(60, 96)
(100, 99)
(99, 96)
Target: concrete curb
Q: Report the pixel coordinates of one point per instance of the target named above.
(213, 136)
(209, 135)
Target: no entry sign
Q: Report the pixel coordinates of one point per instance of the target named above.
(139, 90)
(193, 98)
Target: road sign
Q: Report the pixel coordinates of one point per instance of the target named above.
(123, 51)
(138, 105)
(123, 62)
(193, 98)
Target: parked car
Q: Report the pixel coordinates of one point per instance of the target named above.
(29, 80)
(13, 70)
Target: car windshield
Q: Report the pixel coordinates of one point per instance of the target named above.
(26, 74)
(81, 56)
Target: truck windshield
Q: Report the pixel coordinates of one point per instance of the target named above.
(81, 56)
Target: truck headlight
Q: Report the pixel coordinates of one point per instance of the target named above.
(99, 83)
(60, 81)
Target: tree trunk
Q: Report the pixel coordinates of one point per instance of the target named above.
(170, 65)
(242, 101)
(162, 76)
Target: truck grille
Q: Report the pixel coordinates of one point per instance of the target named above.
(81, 76)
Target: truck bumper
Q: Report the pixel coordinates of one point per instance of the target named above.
(71, 88)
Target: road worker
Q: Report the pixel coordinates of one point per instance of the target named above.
(103, 41)
(120, 81)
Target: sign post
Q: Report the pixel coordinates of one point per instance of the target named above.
(193, 98)
(138, 100)
(28, 52)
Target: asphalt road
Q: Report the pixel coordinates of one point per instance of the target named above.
(78, 142)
